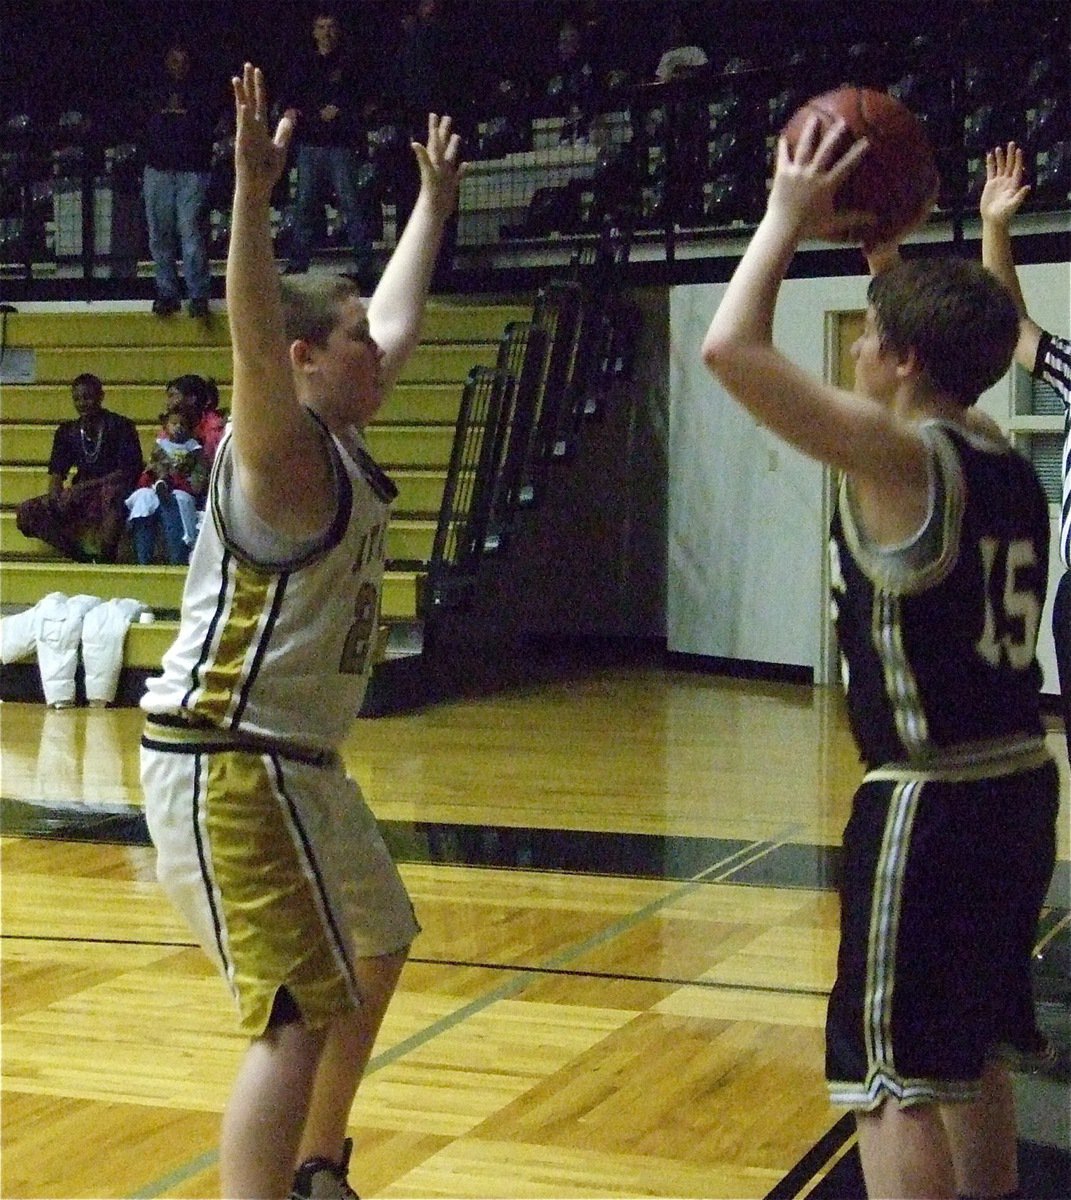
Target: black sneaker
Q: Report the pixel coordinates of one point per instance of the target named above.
(165, 306)
(198, 307)
(322, 1179)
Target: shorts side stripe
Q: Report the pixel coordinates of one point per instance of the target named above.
(197, 816)
(885, 922)
(313, 873)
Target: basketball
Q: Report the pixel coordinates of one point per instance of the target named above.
(895, 176)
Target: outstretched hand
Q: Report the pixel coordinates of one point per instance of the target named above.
(440, 170)
(807, 176)
(1004, 190)
(259, 157)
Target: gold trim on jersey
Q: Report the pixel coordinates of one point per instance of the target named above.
(969, 761)
(880, 1085)
(253, 903)
(249, 600)
(885, 925)
(900, 684)
(892, 569)
(964, 763)
(886, 905)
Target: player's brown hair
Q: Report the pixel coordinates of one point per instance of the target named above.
(958, 318)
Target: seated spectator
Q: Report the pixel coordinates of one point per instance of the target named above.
(681, 58)
(168, 492)
(199, 398)
(84, 519)
(683, 125)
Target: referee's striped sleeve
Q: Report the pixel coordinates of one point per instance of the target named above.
(1053, 365)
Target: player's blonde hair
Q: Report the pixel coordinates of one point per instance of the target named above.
(311, 306)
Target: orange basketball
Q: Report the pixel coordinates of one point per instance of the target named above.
(896, 175)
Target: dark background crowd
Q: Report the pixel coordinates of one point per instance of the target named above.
(83, 91)
(97, 56)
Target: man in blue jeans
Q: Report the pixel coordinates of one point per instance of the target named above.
(324, 105)
(178, 159)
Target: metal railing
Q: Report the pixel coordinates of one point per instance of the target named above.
(684, 160)
(519, 418)
(464, 516)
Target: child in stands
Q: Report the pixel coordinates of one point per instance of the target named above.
(168, 492)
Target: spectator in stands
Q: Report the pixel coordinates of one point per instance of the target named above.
(198, 398)
(419, 84)
(177, 146)
(571, 89)
(686, 126)
(420, 80)
(681, 57)
(85, 520)
(325, 103)
(168, 492)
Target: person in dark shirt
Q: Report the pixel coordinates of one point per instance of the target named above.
(570, 88)
(324, 104)
(418, 84)
(178, 161)
(85, 520)
(420, 69)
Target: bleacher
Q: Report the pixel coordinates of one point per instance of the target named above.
(135, 353)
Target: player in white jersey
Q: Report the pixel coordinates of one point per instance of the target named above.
(938, 584)
(263, 842)
(1046, 356)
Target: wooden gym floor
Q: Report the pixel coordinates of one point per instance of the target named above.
(624, 881)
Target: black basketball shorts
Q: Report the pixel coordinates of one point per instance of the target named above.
(942, 885)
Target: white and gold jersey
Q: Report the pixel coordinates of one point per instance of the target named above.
(280, 649)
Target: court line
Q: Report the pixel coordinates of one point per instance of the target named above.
(831, 1148)
(824, 1172)
(1058, 927)
(58, 939)
(474, 964)
(674, 981)
(817, 1162)
(510, 988)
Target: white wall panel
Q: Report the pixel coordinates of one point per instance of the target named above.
(747, 526)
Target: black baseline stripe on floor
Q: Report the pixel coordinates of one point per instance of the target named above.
(628, 855)
(821, 1153)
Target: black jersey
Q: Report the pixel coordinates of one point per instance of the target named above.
(937, 636)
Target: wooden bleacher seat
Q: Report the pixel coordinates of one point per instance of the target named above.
(135, 354)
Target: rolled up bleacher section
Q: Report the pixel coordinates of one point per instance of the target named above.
(135, 354)
(526, 459)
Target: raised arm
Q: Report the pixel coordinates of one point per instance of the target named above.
(279, 452)
(396, 309)
(1002, 195)
(846, 430)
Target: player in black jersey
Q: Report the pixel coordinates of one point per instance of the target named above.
(939, 555)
